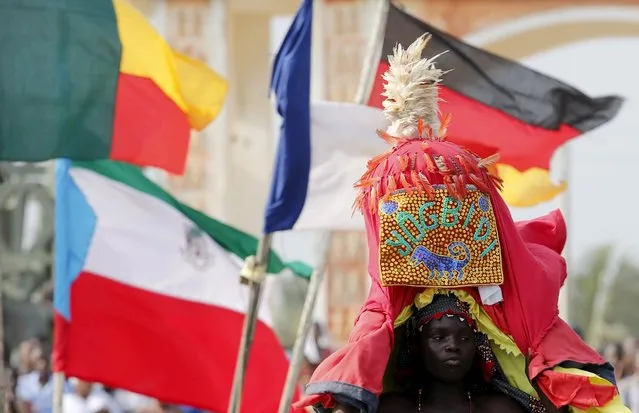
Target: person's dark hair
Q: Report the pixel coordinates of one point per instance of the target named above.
(13, 379)
(617, 348)
(619, 351)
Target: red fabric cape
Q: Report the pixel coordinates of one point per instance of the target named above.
(534, 271)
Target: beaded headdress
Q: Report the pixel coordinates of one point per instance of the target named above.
(426, 201)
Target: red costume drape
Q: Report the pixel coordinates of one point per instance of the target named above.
(534, 271)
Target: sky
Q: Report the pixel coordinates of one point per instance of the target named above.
(600, 202)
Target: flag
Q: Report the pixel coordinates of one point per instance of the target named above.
(291, 87)
(93, 80)
(498, 105)
(323, 146)
(147, 293)
(343, 140)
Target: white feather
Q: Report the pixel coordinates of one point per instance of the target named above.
(411, 89)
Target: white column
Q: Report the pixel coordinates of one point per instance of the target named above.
(217, 134)
(158, 16)
(317, 52)
(250, 152)
(318, 92)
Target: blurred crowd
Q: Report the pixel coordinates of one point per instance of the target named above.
(31, 382)
(30, 387)
(31, 390)
(624, 356)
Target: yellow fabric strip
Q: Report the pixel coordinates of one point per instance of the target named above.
(194, 87)
(508, 355)
(528, 188)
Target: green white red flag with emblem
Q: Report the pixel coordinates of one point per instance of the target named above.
(147, 293)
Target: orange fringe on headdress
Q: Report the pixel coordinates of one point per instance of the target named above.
(392, 171)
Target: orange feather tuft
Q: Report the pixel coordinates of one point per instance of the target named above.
(443, 127)
(479, 183)
(405, 184)
(427, 185)
(430, 165)
(420, 127)
(466, 165)
(403, 162)
(440, 161)
(450, 186)
(365, 182)
(391, 186)
(459, 185)
(413, 161)
(429, 131)
(374, 162)
(416, 181)
(388, 138)
(489, 161)
(373, 200)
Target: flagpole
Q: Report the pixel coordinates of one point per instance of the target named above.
(58, 390)
(58, 377)
(564, 292)
(374, 49)
(306, 321)
(600, 301)
(252, 274)
(366, 80)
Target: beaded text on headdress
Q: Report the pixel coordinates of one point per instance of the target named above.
(429, 198)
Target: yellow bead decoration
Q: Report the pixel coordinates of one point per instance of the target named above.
(439, 241)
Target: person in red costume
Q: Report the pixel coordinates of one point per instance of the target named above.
(436, 224)
(446, 364)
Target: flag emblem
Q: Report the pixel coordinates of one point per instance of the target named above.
(197, 250)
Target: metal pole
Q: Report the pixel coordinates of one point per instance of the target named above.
(306, 321)
(5, 388)
(58, 389)
(600, 301)
(374, 49)
(58, 377)
(252, 274)
(564, 293)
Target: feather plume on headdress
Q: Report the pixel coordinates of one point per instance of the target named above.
(411, 90)
(419, 157)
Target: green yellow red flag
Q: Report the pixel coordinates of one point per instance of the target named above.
(92, 79)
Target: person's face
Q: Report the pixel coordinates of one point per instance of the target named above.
(630, 347)
(40, 365)
(447, 348)
(25, 352)
(28, 351)
(611, 354)
(35, 357)
(83, 388)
